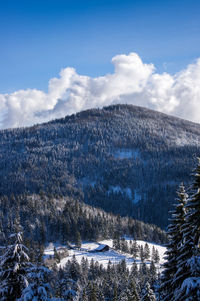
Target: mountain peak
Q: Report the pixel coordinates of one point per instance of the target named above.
(125, 159)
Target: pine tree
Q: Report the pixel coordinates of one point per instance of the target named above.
(153, 254)
(123, 296)
(134, 270)
(193, 205)
(152, 273)
(84, 296)
(124, 246)
(148, 294)
(13, 268)
(78, 240)
(84, 268)
(74, 269)
(133, 293)
(175, 237)
(155, 257)
(146, 251)
(188, 274)
(92, 294)
(143, 274)
(58, 285)
(38, 288)
(115, 293)
(116, 241)
(134, 249)
(56, 255)
(2, 234)
(142, 253)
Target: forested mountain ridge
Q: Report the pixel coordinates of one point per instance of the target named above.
(125, 159)
(46, 218)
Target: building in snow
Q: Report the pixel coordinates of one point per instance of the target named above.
(101, 248)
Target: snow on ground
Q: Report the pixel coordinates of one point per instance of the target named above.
(135, 195)
(127, 154)
(161, 249)
(117, 189)
(103, 257)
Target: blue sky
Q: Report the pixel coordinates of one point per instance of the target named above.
(38, 38)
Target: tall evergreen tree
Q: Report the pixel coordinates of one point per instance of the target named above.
(123, 295)
(175, 240)
(56, 255)
(146, 251)
(78, 239)
(193, 205)
(133, 293)
(188, 274)
(155, 257)
(148, 294)
(92, 294)
(38, 288)
(134, 249)
(13, 269)
(84, 296)
(152, 273)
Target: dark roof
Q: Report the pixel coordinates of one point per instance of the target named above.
(101, 248)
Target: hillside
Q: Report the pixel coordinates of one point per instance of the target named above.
(112, 255)
(45, 219)
(125, 159)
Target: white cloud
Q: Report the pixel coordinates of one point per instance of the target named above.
(132, 82)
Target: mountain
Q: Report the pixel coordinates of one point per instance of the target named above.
(125, 159)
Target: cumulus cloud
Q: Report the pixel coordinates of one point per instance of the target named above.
(132, 82)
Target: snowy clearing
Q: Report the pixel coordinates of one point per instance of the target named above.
(127, 154)
(104, 257)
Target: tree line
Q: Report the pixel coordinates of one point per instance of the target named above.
(24, 280)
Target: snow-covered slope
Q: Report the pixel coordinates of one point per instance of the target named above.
(104, 257)
(123, 159)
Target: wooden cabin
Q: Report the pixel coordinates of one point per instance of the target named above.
(101, 248)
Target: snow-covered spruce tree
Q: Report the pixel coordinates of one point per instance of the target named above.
(152, 273)
(78, 240)
(133, 293)
(193, 206)
(175, 240)
(56, 255)
(115, 292)
(188, 274)
(13, 268)
(134, 271)
(148, 294)
(142, 257)
(84, 269)
(69, 283)
(38, 288)
(185, 251)
(155, 255)
(59, 275)
(74, 270)
(134, 249)
(123, 296)
(84, 296)
(92, 292)
(146, 251)
(129, 293)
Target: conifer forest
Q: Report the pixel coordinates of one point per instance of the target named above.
(102, 205)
